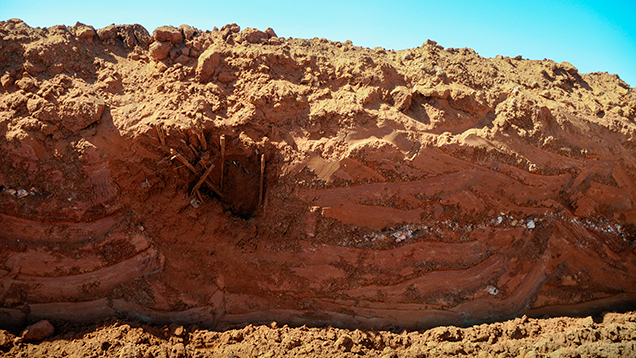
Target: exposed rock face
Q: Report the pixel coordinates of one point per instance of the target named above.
(400, 189)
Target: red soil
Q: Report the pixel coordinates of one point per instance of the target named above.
(402, 189)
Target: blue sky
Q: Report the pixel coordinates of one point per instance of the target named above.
(592, 35)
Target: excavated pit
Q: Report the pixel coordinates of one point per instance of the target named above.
(401, 189)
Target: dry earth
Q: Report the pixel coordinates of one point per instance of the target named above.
(613, 335)
(224, 178)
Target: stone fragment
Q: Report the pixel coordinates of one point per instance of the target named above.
(38, 331)
(188, 31)
(270, 32)
(127, 36)
(179, 331)
(182, 59)
(208, 62)
(231, 28)
(80, 112)
(159, 50)
(6, 80)
(130, 35)
(226, 77)
(569, 68)
(42, 109)
(83, 31)
(254, 36)
(25, 83)
(344, 342)
(141, 34)
(108, 32)
(22, 193)
(401, 97)
(6, 340)
(168, 33)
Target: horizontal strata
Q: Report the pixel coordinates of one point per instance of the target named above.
(231, 176)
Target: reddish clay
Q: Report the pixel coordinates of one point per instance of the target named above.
(401, 189)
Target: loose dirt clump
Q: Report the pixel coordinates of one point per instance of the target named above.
(232, 177)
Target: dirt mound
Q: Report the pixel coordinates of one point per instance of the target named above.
(231, 177)
(610, 336)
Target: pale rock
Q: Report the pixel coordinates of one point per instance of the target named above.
(6, 80)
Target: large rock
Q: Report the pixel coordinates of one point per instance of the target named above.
(134, 35)
(80, 112)
(108, 32)
(38, 331)
(402, 97)
(254, 36)
(130, 35)
(43, 110)
(188, 31)
(208, 62)
(168, 33)
(159, 50)
(83, 31)
(270, 32)
(231, 28)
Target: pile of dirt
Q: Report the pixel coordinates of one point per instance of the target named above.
(613, 335)
(231, 177)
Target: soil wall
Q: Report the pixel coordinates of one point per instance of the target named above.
(229, 177)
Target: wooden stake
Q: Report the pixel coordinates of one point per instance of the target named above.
(189, 148)
(182, 159)
(203, 178)
(161, 134)
(197, 127)
(192, 148)
(260, 192)
(222, 142)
